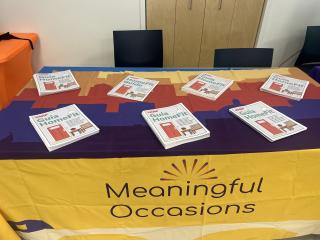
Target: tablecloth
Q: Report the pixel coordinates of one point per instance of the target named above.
(315, 73)
(122, 184)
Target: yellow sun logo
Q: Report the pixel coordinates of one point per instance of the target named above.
(186, 171)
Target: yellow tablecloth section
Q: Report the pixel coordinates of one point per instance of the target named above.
(240, 196)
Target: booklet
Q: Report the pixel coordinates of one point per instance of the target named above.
(207, 86)
(50, 83)
(63, 126)
(175, 125)
(133, 88)
(285, 86)
(267, 121)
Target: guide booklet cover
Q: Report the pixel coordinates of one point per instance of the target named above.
(133, 88)
(207, 86)
(175, 125)
(50, 83)
(63, 126)
(285, 86)
(267, 121)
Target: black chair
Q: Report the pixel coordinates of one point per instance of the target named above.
(138, 48)
(243, 57)
(310, 53)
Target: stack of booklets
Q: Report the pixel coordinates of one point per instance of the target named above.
(133, 88)
(285, 86)
(175, 125)
(50, 83)
(63, 126)
(267, 121)
(207, 86)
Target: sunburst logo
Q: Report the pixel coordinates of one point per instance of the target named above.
(189, 170)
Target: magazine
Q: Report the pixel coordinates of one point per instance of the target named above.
(50, 83)
(133, 88)
(207, 86)
(285, 86)
(175, 125)
(63, 126)
(267, 121)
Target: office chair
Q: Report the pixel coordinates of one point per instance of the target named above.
(310, 53)
(138, 48)
(243, 57)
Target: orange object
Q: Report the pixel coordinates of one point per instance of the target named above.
(123, 89)
(170, 130)
(272, 129)
(197, 85)
(15, 66)
(276, 86)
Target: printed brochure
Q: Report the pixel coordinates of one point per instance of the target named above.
(63, 126)
(207, 86)
(267, 121)
(285, 86)
(175, 125)
(50, 83)
(133, 88)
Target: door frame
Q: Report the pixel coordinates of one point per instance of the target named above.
(143, 15)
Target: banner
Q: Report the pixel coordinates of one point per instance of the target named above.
(240, 196)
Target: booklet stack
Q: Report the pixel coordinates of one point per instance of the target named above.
(50, 83)
(267, 121)
(63, 126)
(175, 125)
(133, 88)
(285, 86)
(207, 86)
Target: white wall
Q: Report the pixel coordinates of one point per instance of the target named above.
(79, 32)
(283, 27)
(72, 32)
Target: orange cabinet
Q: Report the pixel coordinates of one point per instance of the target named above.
(15, 66)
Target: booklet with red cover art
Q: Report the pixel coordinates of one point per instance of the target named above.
(175, 125)
(285, 86)
(63, 126)
(207, 86)
(133, 88)
(56, 82)
(267, 121)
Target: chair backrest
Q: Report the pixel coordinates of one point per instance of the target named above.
(311, 48)
(138, 48)
(243, 57)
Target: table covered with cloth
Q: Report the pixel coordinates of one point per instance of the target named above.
(315, 73)
(122, 183)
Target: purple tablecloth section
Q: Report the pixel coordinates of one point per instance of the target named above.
(315, 73)
(124, 133)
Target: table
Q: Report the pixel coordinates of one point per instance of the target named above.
(122, 184)
(315, 73)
